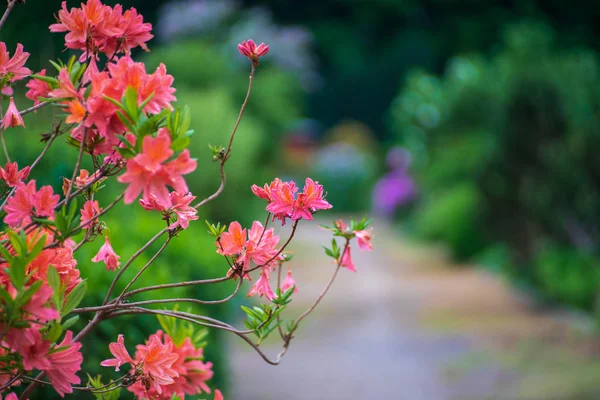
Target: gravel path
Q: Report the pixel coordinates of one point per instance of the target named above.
(410, 326)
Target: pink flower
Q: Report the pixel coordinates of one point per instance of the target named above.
(218, 395)
(266, 191)
(252, 51)
(38, 305)
(20, 206)
(13, 68)
(180, 203)
(148, 173)
(261, 246)
(309, 201)
(233, 240)
(66, 89)
(11, 174)
(65, 362)
(262, 287)
(12, 118)
(45, 201)
(341, 225)
(157, 360)
(38, 88)
(13, 396)
(108, 29)
(108, 255)
(346, 260)
(364, 239)
(282, 200)
(88, 213)
(33, 349)
(134, 31)
(121, 355)
(289, 283)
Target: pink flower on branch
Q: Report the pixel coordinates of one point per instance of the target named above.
(121, 354)
(363, 238)
(13, 68)
(148, 173)
(65, 361)
(284, 202)
(89, 212)
(97, 28)
(289, 283)
(38, 88)
(252, 51)
(346, 260)
(262, 287)
(108, 256)
(11, 174)
(12, 118)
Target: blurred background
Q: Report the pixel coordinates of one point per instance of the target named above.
(468, 128)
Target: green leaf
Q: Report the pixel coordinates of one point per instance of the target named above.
(55, 65)
(74, 298)
(70, 322)
(54, 283)
(54, 331)
(145, 103)
(185, 121)
(130, 102)
(24, 296)
(180, 143)
(47, 79)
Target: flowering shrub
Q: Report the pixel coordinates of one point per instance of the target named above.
(124, 120)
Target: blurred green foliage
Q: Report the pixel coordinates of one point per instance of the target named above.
(505, 152)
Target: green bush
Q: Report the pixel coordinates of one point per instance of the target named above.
(453, 217)
(520, 130)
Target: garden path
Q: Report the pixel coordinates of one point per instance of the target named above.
(411, 326)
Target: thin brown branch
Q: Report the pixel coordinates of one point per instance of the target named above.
(177, 284)
(132, 259)
(9, 7)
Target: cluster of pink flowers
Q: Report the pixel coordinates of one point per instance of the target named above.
(177, 203)
(27, 202)
(95, 116)
(162, 368)
(284, 202)
(257, 245)
(148, 172)
(60, 361)
(96, 27)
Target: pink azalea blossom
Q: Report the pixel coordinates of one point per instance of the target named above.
(65, 362)
(178, 204)
(45, 201)
(252, 51)
(33, 349)
(364, 239)
(157, 360)
(13, 396)
(13, 68)
(233, 240)
(19, 206)
(121, 355)
(309, 201)
(289, 283)
(107, 29)
(148, 173)
(66, 89)
(11, 174)
(346, 260)
(39, 307)
(12, 118)
(38, 88)
(262, 287)
(89, 212)
(218, 395)
(108, 256)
